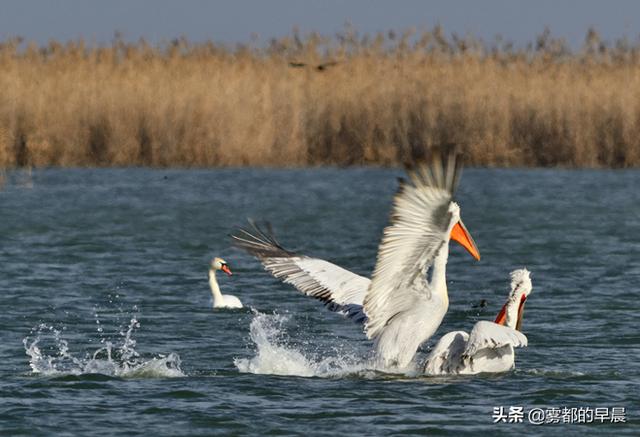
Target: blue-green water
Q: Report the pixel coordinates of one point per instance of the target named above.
(106, 324)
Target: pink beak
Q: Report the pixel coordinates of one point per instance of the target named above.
(225, 268)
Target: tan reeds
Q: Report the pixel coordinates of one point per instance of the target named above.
(309, 101)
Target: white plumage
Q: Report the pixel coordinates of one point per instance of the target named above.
(399, 307)
(490, 346)
(221, 300)
(339, 289)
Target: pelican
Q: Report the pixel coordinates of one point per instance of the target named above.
(489, 346)
(221, 300)
(400, 309)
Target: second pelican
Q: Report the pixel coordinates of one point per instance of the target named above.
(489, 346)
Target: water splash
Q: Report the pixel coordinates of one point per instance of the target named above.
(49, 355)
(276, 355)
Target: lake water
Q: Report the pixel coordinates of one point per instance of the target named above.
(107, 326)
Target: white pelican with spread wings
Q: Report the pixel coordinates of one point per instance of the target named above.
(399, 306)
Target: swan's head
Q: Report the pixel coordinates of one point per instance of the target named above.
(513, 310)
(220, 264)
(458, 232)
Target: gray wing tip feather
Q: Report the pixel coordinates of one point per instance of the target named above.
(353, 312)
(259, 240)
(440, 167)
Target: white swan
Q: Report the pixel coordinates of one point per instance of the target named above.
(221, 300)
(399, 307)
(489, 346)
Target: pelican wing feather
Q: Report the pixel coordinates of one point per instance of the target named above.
(341, 290)
(489, 335)
(417, 229)
(444, 357)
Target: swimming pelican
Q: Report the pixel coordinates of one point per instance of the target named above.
(221, 300)
(489, 347)
(398, 306)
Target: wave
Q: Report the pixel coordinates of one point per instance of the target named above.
(49, 355)
(552, 373)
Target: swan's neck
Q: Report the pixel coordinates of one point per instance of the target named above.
(215, 288)
(439, 273)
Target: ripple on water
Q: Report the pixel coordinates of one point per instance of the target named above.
(79, 237)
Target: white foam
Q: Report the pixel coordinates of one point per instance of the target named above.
(275, 355)
(557, 373)
(113, 359)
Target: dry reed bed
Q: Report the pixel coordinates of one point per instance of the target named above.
(385, 98)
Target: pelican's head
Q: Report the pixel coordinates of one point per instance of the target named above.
(458, 231)
(512, 311)
(220, 264)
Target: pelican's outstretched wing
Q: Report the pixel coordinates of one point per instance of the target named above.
(445, 356)
(489, 335)
(419, 222)
(340, 289)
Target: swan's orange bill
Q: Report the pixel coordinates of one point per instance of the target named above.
(460, 234)
(225, 268)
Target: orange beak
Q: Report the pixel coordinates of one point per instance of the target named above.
(520, 313)
(501, 319)
(460, 234)
(225, 268)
